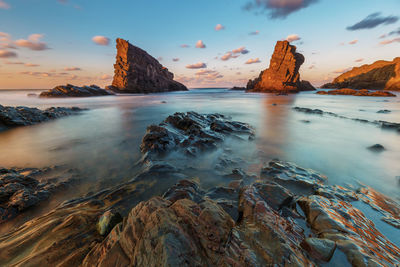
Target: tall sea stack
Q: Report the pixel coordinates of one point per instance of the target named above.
(135, 71)
(283, 72)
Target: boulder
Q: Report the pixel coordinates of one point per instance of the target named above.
(70, 90)
(135, 71)
(283, 72)
(378, 75)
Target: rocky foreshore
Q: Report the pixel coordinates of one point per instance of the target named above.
(24, 116)
(285, 215)
(362, 92)
(70, 90)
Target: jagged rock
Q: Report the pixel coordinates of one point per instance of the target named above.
(191, 132)
(107, 222)
(70, 90)
(378, 75)
(24, 116)
(283, 72)
(135, 71)
(362, 92)
(319, 248)
(19, 190)
(237, 88)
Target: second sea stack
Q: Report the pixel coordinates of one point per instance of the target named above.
(283, 75)
(135, 71)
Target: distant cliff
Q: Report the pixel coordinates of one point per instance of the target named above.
(380, 75)
(135, 71)
(283, 72)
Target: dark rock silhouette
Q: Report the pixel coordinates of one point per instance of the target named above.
(70, 90)
(362, 92)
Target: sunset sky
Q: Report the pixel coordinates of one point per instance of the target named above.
(208, 43)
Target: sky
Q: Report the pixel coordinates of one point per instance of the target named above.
(207, 43)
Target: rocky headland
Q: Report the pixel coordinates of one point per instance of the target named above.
(135, 71)
(285, 215)
(24, 116)
(70, 90)
(362, 92)
(380, 75)
(283, 72)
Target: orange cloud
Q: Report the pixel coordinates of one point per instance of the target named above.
(101, 40)
(4, 5)
(7, 54)
(219, 27)
(200, 44)
(386, 42)
(252, 61)
(33, 42)
(292, 37)
(353, 42)
(31, 65)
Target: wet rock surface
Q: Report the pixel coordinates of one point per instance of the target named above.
(377, 148)
(24, 116)
(70, 90)
(382, 124)
(21, 190)
(192, 132)
(361, 92)
(135, 71)
(283, 72)
(284, 216)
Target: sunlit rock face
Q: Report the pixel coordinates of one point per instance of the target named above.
(283, 72)
(378, 75)
(135, 71)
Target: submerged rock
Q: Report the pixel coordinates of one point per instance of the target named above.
(379, 75)
(70, 90)
(361, 92)
(24, 116)
(377, 148)
(135, 71)
(384, 111)
(283, 72)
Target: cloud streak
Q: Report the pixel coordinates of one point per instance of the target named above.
(253, 61)
(200, 44)
(278, 9)
(386, 42)
(372, 21)
(199, 65)
(4, 5)
(7, 54)
(293, 37)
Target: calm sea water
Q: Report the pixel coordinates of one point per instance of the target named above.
(103, 142)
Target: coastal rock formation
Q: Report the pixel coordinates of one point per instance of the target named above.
(380, 75)
(285, 216)
(24, 116)
(70, 90)
(191, 132)
(362, 92)
(283, 72)
(21, 189)
(135, 71)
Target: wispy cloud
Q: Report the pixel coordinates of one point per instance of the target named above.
(353, 42)
(254, 33)
(199, 65)
(72, 69)
(185, 46)
(359, 60)
(342, 70)
(7, 54)
(4, 5)
(33, 42)
(293, 37)
(175, 59)
(219, 27)
(278, 8)
(31, 65)
(105, 77)
(200, 44)
(101, 40)
(252, 61)
(235, 53)
(386, 42)
(373, 21)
